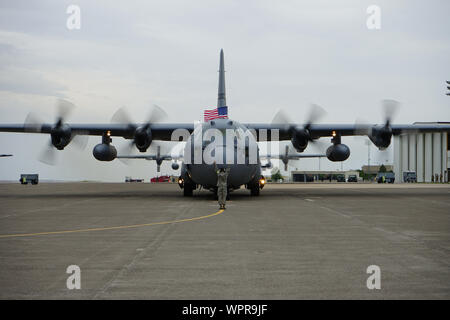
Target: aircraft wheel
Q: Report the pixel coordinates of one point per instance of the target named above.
(254, 190)
(188, 190)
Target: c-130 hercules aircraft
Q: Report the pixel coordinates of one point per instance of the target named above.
(220, 142)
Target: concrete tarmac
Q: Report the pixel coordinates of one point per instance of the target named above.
(299, 241)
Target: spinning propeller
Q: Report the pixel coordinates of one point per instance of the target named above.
(60, 133)
(380, 135)
(142, 135)
(301, 135)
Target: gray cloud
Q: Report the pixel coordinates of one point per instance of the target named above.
(28, 82)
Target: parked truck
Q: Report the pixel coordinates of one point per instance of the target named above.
(409, 176)
(29, 178)
(385, 177)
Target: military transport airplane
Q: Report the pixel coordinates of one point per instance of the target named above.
(206, 146)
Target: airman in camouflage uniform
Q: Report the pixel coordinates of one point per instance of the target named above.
(222, 186)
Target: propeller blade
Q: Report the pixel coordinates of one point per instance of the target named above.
(319, 144)
(63, 109)
(362, 128)
(33, 123)
(390, 108)
(315, 113)
(80, 141)
(157, 114)
(126, 150)
(121, 116)
(48, 155)
(280, 117)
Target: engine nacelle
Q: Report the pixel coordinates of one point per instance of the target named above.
(175, 166)
(61, 136)
(338, 152)
(143, 138)
(381, 136)
(104, 152)
(300, 139)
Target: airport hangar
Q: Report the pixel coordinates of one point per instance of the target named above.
(427, 154)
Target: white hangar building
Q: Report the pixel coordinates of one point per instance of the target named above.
(426, 154)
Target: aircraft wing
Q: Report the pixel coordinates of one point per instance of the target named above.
(160, 131)
(164, 131)
(316, 131)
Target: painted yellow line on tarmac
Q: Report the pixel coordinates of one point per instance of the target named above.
(110, 228)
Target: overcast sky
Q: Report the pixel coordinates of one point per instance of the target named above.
(284, 54)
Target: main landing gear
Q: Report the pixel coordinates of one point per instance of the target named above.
(187, 186)
(256, 186)
(188, 190)
(254, 190)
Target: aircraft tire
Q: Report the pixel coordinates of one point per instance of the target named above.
(188, 190)
(254, 190)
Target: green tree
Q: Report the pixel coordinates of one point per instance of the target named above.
(382, 168)
(276, 175)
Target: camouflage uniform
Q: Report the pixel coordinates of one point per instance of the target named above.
(222, 186)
